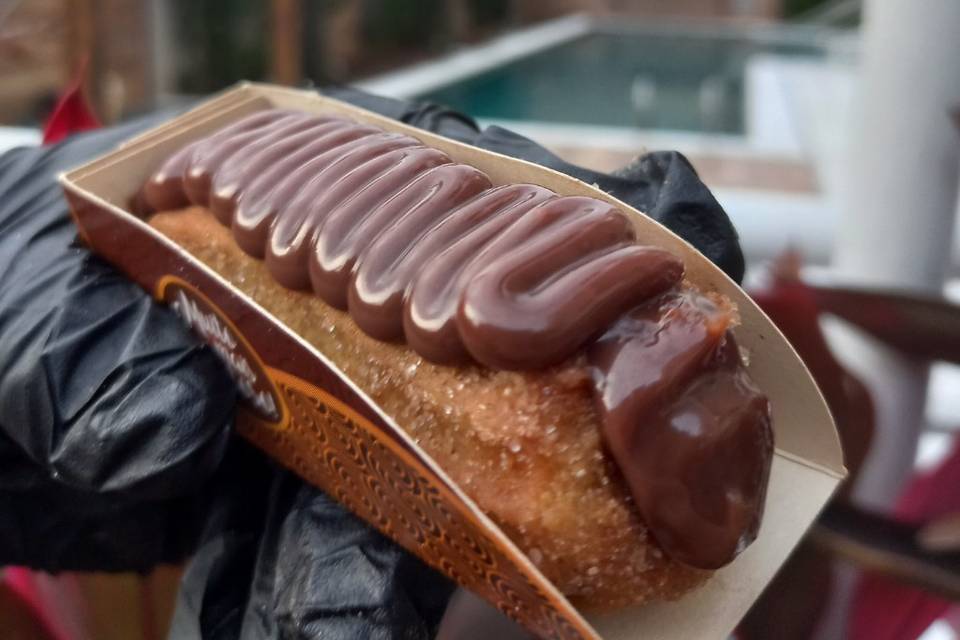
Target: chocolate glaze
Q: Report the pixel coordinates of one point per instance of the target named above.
(418, 247)
(373, 168)
(698, 460)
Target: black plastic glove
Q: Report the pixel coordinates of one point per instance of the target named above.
(115, 447)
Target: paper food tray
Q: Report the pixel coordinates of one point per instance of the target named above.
(308, 415)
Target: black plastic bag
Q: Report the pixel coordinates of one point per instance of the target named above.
(115, 444)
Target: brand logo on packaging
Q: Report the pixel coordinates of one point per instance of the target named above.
(211, 324)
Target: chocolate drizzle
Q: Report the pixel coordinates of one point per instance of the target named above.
(419, 248)
(698, 459)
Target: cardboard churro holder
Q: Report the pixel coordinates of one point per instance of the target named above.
(304, 412)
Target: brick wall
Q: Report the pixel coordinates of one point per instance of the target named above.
(42, 44)
(32, 53)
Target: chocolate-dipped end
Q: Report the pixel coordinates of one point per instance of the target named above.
(689, 430)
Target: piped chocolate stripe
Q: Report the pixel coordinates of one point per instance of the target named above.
(420, 248)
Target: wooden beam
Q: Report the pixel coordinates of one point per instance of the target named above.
(286, 42)
(82, 39)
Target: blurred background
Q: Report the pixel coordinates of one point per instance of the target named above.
(828, 129)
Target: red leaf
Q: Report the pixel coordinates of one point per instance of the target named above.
(72, 113)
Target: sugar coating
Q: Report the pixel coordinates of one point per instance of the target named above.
(526, 447)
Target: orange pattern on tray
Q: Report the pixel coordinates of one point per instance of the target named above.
(331, 446)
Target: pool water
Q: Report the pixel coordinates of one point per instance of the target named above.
(650, 81)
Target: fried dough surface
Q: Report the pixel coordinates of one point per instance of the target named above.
(525, 447)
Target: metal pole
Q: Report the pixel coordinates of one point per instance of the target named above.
(163, 51)
(898, 205)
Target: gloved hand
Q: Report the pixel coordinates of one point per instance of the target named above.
(115, 422)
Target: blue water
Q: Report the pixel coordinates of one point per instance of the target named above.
(651, 81)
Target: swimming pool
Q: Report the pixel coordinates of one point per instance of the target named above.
(711, 91)
(675, 78)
